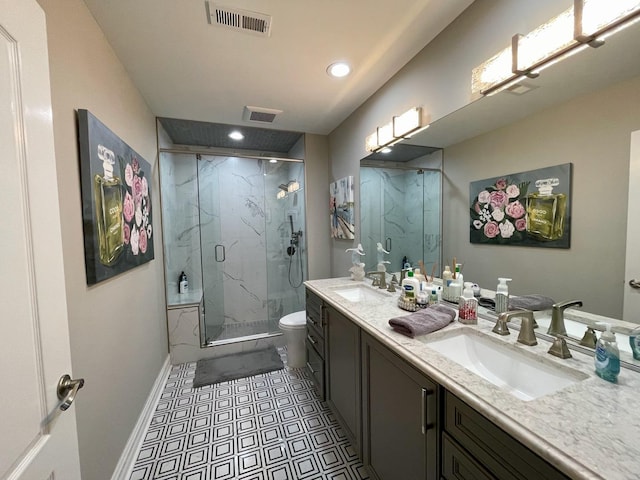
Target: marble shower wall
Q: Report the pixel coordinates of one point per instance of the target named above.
(404, 206)
(180, 221)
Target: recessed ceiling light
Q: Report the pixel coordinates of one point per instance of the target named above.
(273, 160)
(385, 150)
(339, 69)
(236, 135)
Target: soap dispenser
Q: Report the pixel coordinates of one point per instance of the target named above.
(183, 284)
(357, 267)
(607, 356)
(468, 306)
(502, 296)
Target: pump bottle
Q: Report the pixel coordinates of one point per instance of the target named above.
(502, 296)
(607, 356)
(468, 306)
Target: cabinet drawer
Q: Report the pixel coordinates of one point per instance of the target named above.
(315, 341)
(492, 447)
(315, 366)
(459, 465)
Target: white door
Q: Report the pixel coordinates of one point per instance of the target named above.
(631, 312)
(37, 439)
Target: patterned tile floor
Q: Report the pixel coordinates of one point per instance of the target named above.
(266, 427)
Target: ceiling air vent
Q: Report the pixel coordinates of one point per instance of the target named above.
(259, 114)
(238, 19)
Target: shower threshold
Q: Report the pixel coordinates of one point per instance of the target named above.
(247, 338)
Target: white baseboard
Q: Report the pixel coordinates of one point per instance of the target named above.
(128, 457)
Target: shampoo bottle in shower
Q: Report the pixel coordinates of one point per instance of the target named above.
(183, 284)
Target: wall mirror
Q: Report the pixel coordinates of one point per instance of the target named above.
(588, 71)
(400, 198)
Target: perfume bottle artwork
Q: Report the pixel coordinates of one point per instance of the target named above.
(107, 190)
(546, 211)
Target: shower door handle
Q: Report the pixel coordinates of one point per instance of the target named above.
(220, 248)
(387, 244)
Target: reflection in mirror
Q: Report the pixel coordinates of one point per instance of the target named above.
(400, 198)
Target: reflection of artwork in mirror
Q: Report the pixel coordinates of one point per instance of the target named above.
(116, 202)
(528, 208)
(341, 208)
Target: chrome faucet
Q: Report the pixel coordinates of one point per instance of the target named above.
(380, 281)
(557, 317)
(527, 336)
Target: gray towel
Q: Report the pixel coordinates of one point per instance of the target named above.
(425, 321)
(530, 302)
(523, 302)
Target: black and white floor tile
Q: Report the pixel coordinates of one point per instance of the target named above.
(266, 427)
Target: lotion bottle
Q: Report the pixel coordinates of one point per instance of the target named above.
(410, 287)
(468, 306)
(502, 296)
(447, 277)
(183, 284)
(607, 356)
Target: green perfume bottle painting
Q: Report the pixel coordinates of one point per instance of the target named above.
(107, 190)
(546, 211)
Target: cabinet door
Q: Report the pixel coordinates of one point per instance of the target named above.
(400, 435)
(343, 372)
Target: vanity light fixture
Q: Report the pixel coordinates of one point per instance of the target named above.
(280, 195)
(587, 23)
(236, 135)
(385, 150)
(339, 69)
(293, 186)
(400, 127)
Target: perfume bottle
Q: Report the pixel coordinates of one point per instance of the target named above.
(107, 190)
(546, 211)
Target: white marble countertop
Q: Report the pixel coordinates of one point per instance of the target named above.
(588, 430)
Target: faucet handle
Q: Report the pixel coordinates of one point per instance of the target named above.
(589, 338)
(559, 348)
(392, 286)
(501, 325)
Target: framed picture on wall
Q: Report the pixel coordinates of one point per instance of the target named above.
(341, 207)
(116, 202)
(530, 208)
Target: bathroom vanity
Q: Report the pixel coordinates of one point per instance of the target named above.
(412, 412)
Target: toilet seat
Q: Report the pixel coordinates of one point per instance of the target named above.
(294, 321)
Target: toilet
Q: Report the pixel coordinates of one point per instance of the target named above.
(294, 328)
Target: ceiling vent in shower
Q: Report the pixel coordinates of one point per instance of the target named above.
(238, 19)
(260, 114)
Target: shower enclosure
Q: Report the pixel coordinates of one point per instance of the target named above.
(401, 208)
(235, 226)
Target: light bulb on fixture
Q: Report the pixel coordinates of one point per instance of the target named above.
(236, 135)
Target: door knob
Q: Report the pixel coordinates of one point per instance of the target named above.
(67, 390)
(634, 283)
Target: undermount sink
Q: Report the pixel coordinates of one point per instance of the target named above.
(524, 376)
(359, 293)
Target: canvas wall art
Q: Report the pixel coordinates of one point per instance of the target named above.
(116, 202)
(341, 206)
(530, 208)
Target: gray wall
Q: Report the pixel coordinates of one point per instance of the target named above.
(438, 79)
(593, 132)
(117, 328)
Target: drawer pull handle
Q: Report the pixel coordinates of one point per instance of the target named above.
(311, 368)
(311, 321)
(425, 426)
(312, 340)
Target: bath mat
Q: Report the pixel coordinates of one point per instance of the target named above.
(236, 365)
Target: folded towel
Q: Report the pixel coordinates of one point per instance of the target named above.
(425, 321)
(530, 302)
(523, 302)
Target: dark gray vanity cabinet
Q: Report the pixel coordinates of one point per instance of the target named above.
(343, 373)
(315, 341)
(400, 416)
(475, 448)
